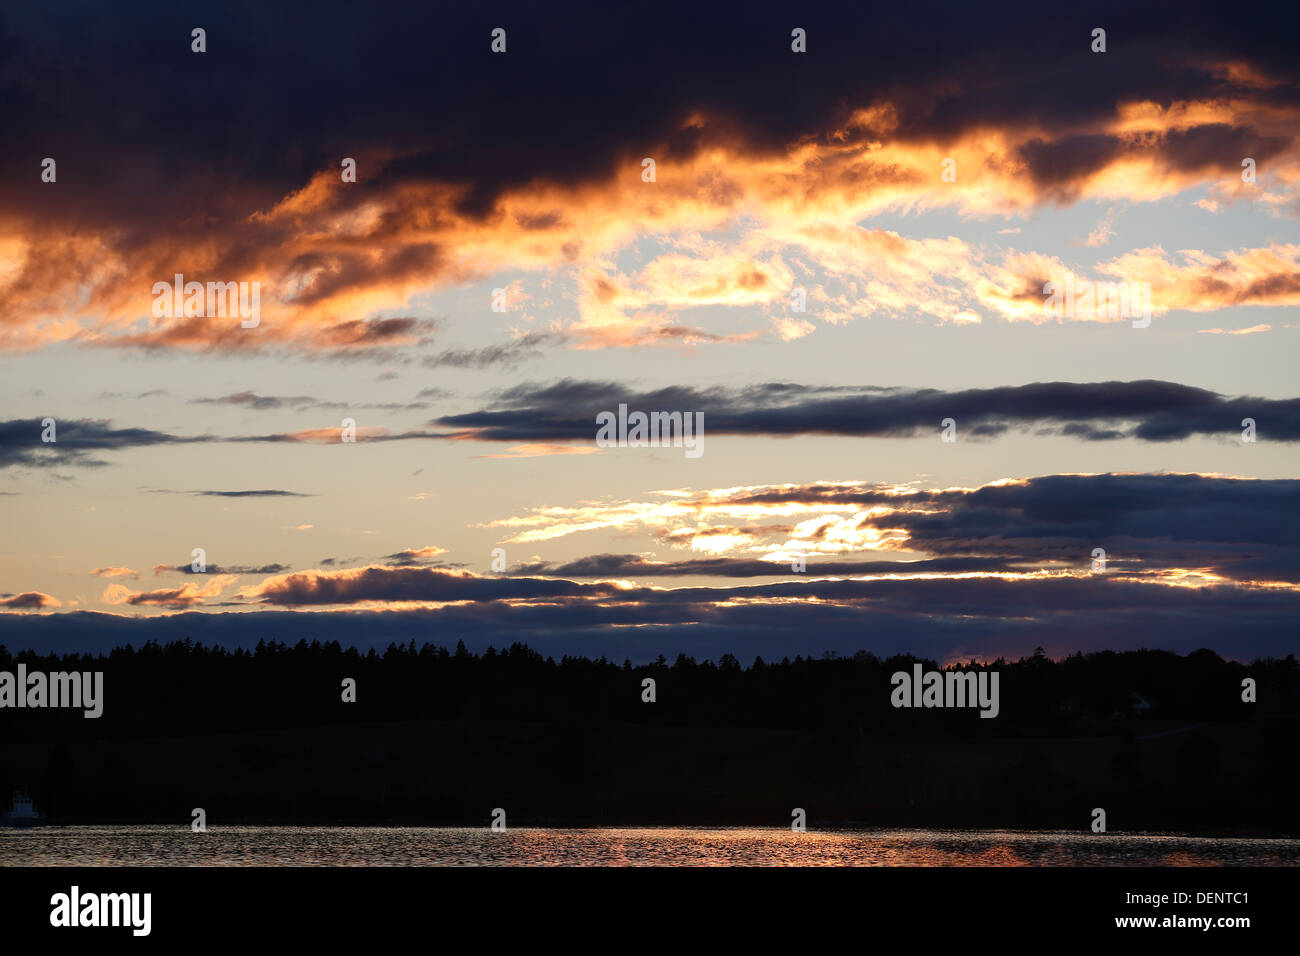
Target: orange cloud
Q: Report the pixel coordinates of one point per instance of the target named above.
(333, 262)
(1250, 331)
(29, 601)
(187, 595)
(540, 450)
(115, 572)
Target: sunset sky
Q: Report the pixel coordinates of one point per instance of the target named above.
(775, 171)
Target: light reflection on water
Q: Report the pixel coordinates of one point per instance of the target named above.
(458, 846)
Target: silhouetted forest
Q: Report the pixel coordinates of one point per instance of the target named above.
(1161, 741)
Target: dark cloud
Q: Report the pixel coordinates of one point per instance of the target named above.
(76, 441)
(186, 596)
(263, 403)
(307, 588)
(1152, 410)
(1244, 528)
(260, 402)
(258, 493)
(636, 566)
(941, 619)
(226, 569)
(951, 597)
(357, 333)
(1238, 528)
(416, 557)
(276, 72)
(28, 600)
(266, 200)
(506, 356)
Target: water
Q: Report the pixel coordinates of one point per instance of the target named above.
(460, 846)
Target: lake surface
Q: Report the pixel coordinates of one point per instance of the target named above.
(459, 846)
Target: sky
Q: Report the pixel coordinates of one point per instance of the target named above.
(841, 257)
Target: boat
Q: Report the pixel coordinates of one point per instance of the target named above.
(22, 813)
